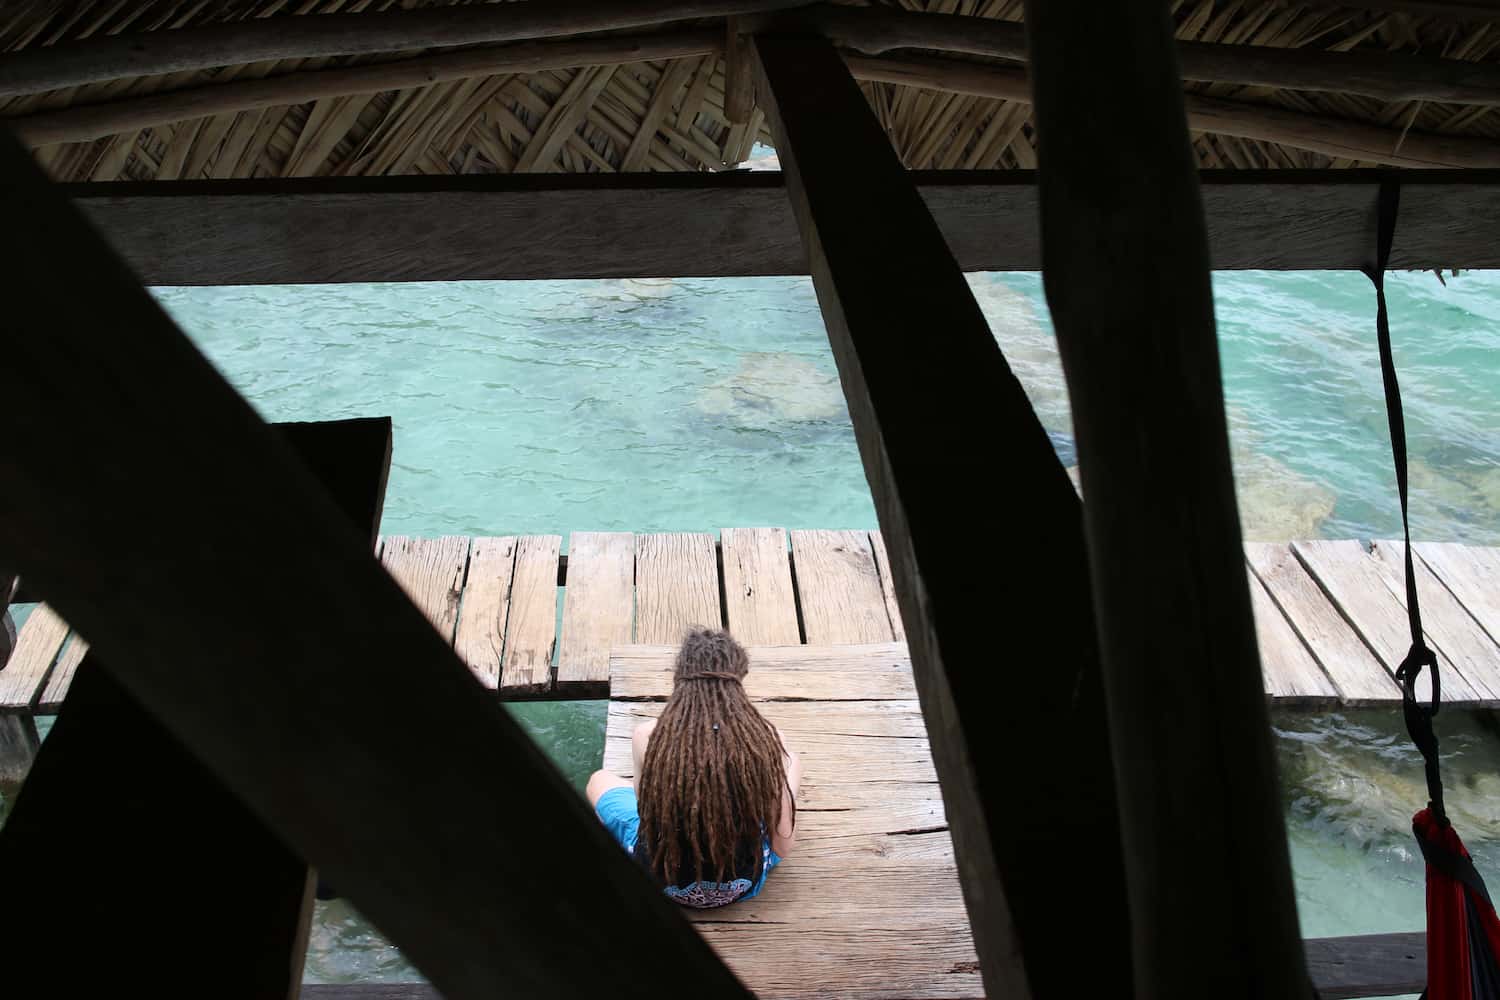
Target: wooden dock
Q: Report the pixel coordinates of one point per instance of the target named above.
(869, 906)
(534, 623)
(874, 875)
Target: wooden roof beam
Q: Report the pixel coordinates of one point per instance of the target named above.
(1324, 134)
(152, 53)
(1126, 272)
(1330, 136)
(90, 121)
(519, 226)
(1386, 76)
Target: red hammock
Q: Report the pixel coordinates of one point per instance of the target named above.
(1463, 933)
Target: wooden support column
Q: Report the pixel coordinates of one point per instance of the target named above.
(349, 727)
(17, 734)
(1126, 265)
(1011, 694)
(120, 827)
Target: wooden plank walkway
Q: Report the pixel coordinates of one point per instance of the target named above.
(868, 906)
(532, 623)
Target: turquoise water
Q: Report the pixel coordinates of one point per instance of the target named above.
(696, 405)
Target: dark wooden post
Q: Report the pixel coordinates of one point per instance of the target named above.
(18, 740)
(1125, 260)
(120, 827)
(157, 512)
(1003, 650)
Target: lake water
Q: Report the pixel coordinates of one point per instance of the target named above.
(701, 404)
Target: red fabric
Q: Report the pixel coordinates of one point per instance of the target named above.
(1448, 969)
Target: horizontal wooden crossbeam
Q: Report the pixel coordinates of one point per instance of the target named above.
(108, 57)
(318, 231)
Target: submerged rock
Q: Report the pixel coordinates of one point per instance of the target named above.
(1277, 503)
(771, 388)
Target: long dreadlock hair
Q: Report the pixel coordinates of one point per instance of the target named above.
(714, 769)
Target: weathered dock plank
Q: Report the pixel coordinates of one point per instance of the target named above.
(22, 677)
(62, 675)
(496, 598)
(676, 586)
(839, 589)
(1472, 574)
(531, 633)
(1470, 652)
(431, 571)
(759, 601)
(806, 673)
(480, 636)
(887, 586)
(1357, 583)
(598, 608)
(1355, 672)
(869, 904)
(1290, 672)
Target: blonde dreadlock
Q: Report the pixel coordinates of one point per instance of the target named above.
(714, 768)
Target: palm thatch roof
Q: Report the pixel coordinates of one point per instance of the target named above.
(170, 89)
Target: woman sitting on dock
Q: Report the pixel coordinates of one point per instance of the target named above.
(717, 807)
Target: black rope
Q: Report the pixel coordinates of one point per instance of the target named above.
(1418, 716)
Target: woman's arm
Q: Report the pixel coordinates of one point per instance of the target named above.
(785, 836)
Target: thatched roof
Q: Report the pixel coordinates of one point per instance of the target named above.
(535, 86)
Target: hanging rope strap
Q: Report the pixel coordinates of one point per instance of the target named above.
(1418, 716)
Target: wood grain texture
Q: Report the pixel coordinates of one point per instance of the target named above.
(838, 588)
(1126, 268)
(1469, 651)
(1357, 675)
(1471, 574)
(480, 638)
(815, 673)
(319, 230)
(598, 608)
(1368, 965)
(676, 586)
(431, 571)
(1356, 581)
(57, 685)
(310, 723)
(900, 400)
(887, 585)
(37, 645)
(1290, 672)
(532, 633)
(869, 904)
(758, 595)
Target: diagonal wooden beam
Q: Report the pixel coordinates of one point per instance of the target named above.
(1326, 134)
(107, 765)
(87, 121)
(1386, 76)
(151, 53)
(935, 410)
(1126, 269)
(351, 730)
